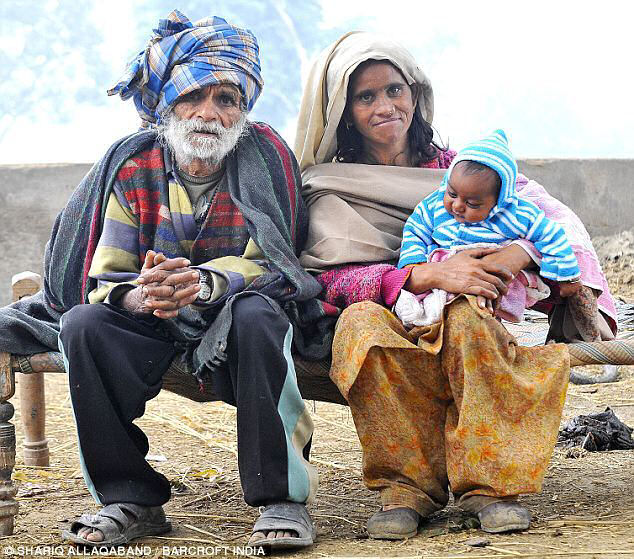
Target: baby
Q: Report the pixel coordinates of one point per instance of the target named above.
(476, 206)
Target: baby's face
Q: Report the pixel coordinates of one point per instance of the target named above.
(470, 198)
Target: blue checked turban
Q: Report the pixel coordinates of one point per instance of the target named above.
(182, 57)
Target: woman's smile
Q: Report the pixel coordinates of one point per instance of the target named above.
(388, 122)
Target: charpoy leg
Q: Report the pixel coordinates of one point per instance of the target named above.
(398, 400)
(502, 427)
(33, 401)
(8, 504)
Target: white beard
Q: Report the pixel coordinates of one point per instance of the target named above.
(177, 134)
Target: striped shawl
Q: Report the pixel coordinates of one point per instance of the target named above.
(263, 181)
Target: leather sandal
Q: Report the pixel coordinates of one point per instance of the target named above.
(284, 517)
(504, 517)
(394, 524)
(119, 523)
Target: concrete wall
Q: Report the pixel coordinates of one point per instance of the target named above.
(30, 198)
(599, 190)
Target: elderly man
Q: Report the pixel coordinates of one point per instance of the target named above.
(184, 240)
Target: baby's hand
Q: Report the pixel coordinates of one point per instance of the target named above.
(485, 303)
(568, 288)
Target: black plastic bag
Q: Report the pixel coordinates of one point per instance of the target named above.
(596, 432)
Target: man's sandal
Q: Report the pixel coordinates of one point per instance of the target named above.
(119, 523)
(394, 524)
(284, 517)
(504, 517)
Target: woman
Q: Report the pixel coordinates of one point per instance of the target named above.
(453, 405)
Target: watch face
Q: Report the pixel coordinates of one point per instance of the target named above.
(205, 292)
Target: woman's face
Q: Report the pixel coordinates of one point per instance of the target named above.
(380, 106)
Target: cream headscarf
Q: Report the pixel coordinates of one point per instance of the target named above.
(324, 97)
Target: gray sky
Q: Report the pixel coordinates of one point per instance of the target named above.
(556, 76)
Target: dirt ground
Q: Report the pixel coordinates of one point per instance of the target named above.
(586, 508)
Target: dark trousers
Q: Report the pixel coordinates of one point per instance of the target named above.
(115, 364)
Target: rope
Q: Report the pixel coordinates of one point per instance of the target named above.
(612, 352)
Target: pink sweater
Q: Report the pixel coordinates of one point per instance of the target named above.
(353, 283)
(380, 283)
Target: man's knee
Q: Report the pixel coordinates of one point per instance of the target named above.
(82, 320)
(254, 315)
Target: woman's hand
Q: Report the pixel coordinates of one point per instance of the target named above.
(466, 272)
(513, 257)
(485, 303)
(167, 285)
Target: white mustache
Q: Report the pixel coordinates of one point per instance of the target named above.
(176, 133)
(188, 126)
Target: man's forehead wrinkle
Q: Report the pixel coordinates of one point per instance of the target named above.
(206, 89)
(226, 88)
(230, 86)
(224, 85)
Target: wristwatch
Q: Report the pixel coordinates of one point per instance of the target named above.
(206, 286)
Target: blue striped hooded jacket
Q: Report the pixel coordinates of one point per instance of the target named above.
(430, 226)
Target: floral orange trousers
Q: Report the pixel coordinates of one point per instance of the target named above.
(457, 405)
